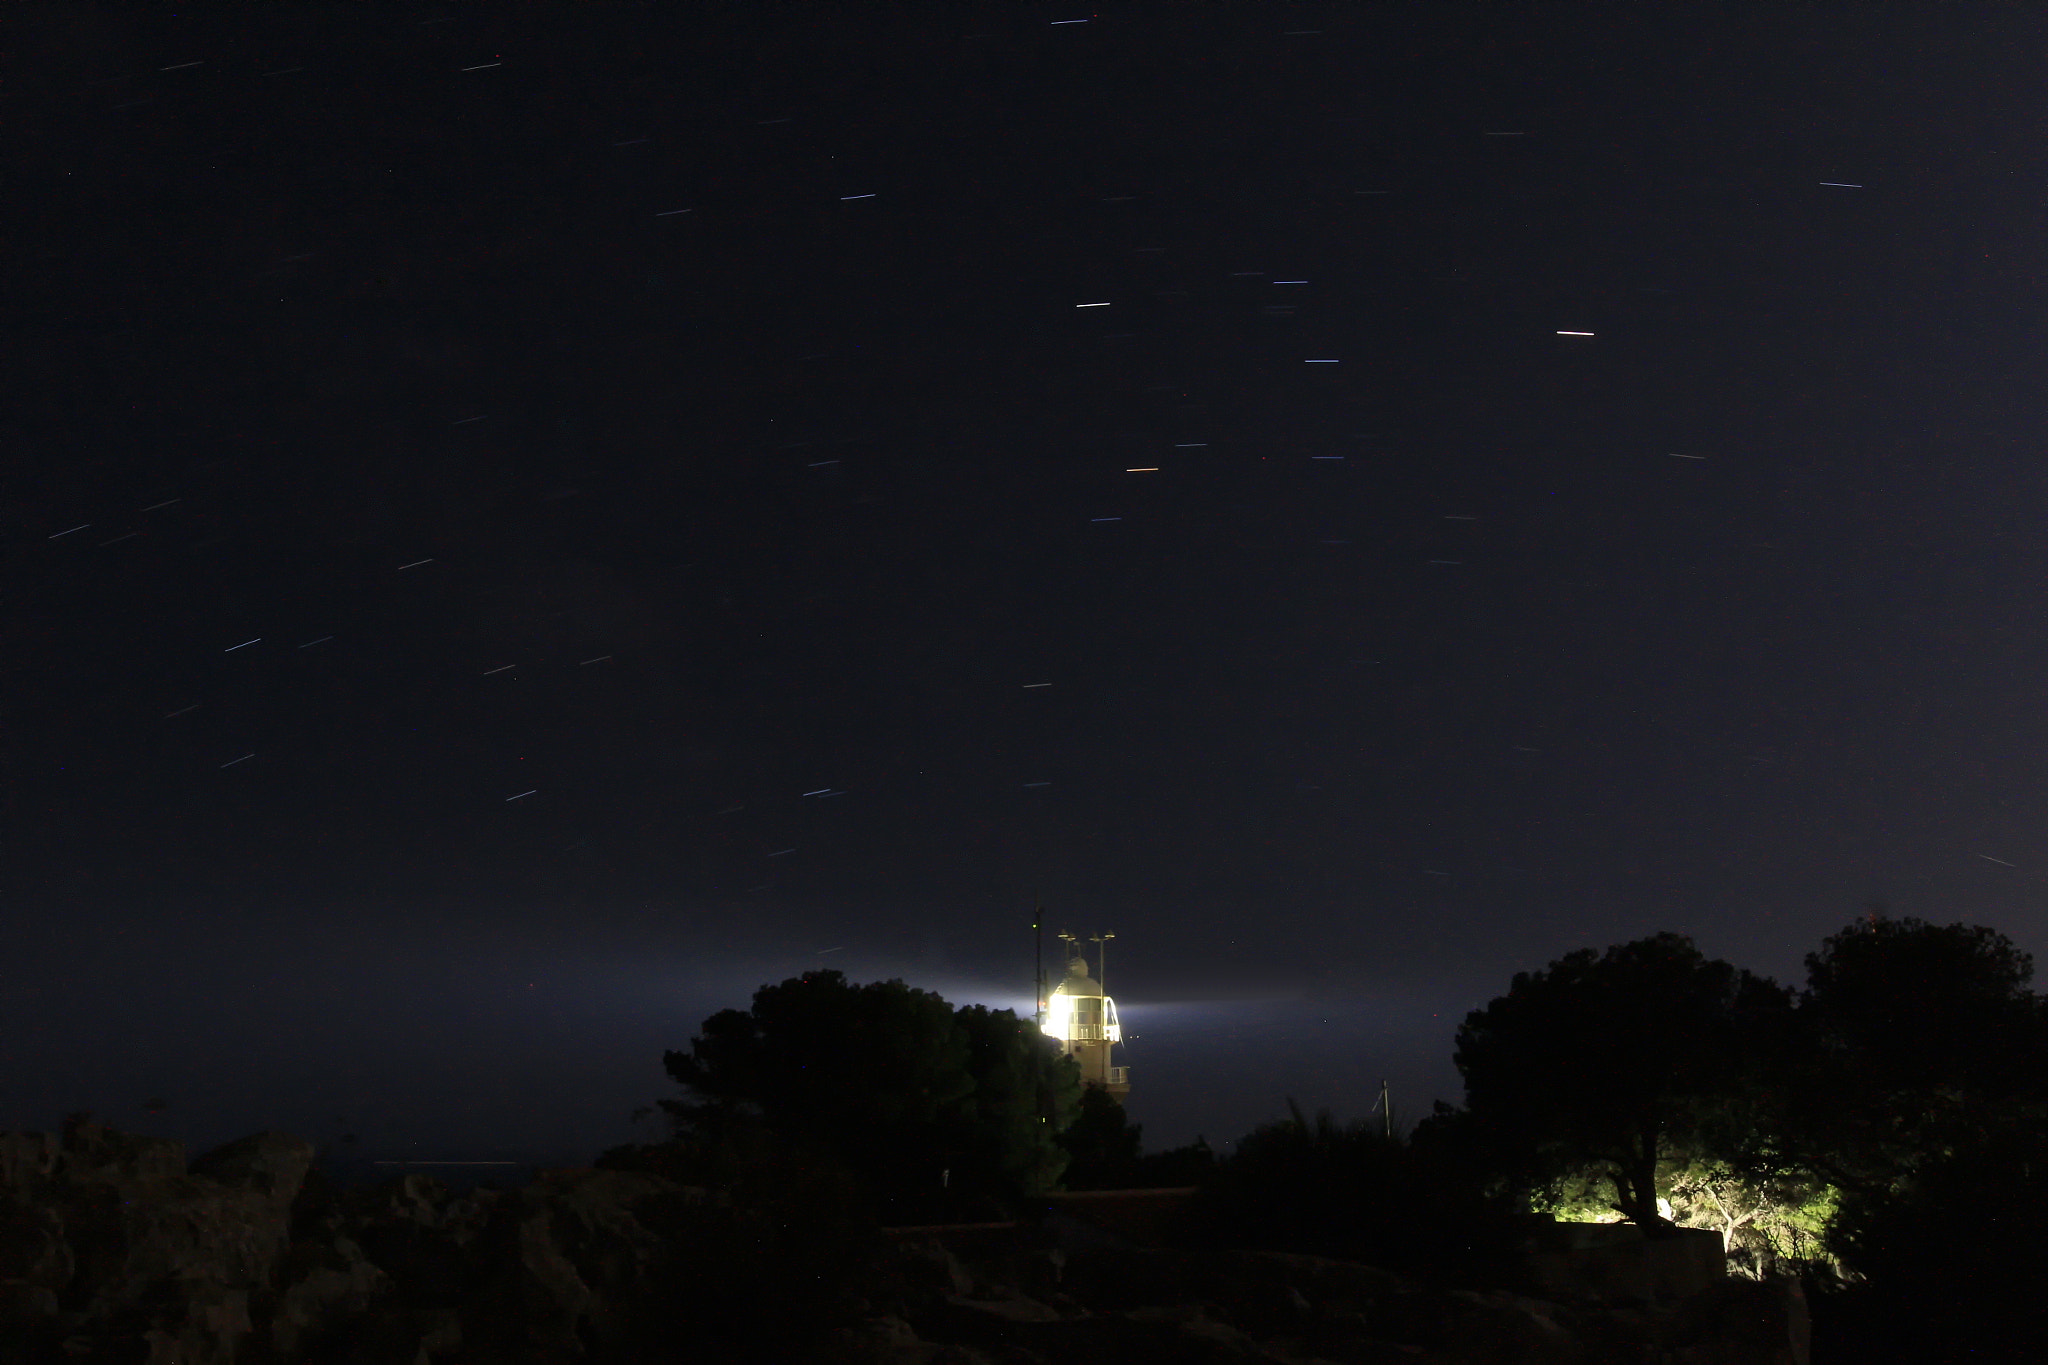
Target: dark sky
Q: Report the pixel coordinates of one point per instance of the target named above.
(516, 453)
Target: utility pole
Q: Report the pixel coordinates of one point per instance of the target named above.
(1038, 927)
(1038, 1039)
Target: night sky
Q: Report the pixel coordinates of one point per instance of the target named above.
(522, 525)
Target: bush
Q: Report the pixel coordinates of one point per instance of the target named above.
(1959, 1241)
(762, 1266)
(1353, 1192)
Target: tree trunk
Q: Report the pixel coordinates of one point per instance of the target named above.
(1639, 1183)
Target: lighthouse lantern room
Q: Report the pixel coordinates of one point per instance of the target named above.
(1082, 1016)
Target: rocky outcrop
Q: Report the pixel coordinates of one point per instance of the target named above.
(1621, 1263)
(108, 1234)
(1135, 1306)
(114, 1248)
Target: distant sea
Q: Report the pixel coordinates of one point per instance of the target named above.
(457, 1172)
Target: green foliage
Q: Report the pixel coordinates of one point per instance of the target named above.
(1910, 1039)
(1102, 1144)
(1176, 1167)
(1769, 1226)
(1024, 1094)
(1886, 1126)
(1610, 1061)
(1957, 1244)
(1773, 1225)
(1106, 1151)
(930, 1105)
(823, 1059)
(1348, 1190)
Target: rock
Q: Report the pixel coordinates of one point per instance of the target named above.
(1012, 1309)
(412, 1198)
(1134, 1339)
(1043, 1269)
(198, 1229)
(593, 1223)
(440, 1334)
(1488, 1327)
(552, 1297)
(1108, 1281)
(436, 1270)
(1747, 1321)
(1348, 1337)
(891, 1331)
(90, 1153)
(111, 1243)
(322, 1285)
(25, 1306)
(1272, 1292)
(389, 1334)
(1318, 1277)
(930, 1264)
(1202, 1337)
(26, 1163)
(942, 1354)
(208, 1324)
(164, 1263)
(272, 1165)
(32, 1245)
(881, 1339)
(1618, 1263)
(978, 1322)
(1630, 1335)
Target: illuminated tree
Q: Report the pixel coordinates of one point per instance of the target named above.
(1768, 1225)
(1610, 1063)
(1915, 1081)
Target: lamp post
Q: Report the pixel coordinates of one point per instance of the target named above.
(1101, 942)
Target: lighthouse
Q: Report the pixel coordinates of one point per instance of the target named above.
(1080, 1014)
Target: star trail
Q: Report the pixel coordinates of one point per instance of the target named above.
(696, 441)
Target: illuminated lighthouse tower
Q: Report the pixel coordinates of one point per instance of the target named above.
(1082, 1016)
